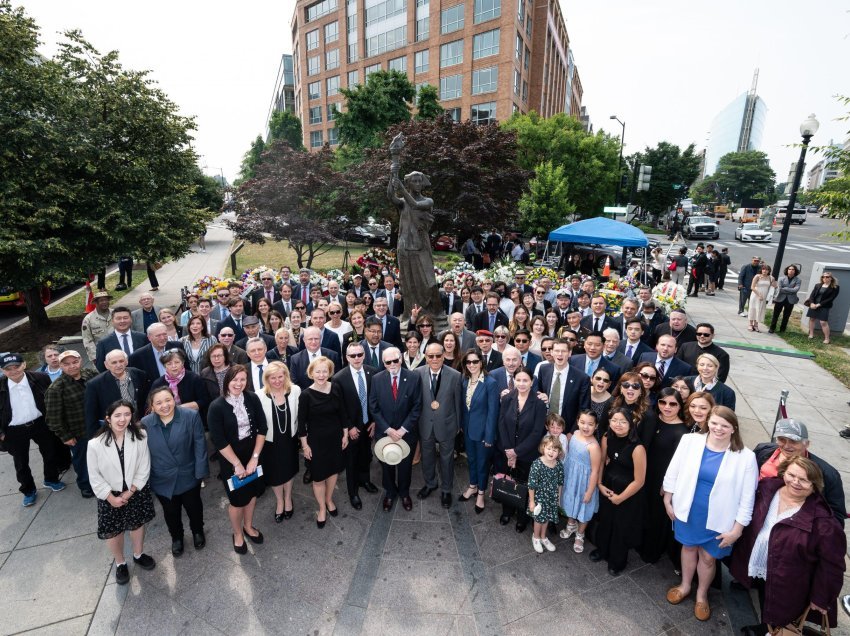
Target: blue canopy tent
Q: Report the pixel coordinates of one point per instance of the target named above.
(602, 231)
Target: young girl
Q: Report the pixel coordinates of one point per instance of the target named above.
(580, 500)
(555, 428)
(545, 480)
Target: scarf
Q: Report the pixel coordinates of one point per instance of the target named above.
(243, 422)
(173, 382)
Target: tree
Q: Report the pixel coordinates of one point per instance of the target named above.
(297, 197)
(835, 193)
(741, 175)
(207, 194)
(371, 108)
(250, 160)
(705, 191)
(428, 103)
(590, 162)
(285, 126)
(673, 172)
(546, 205)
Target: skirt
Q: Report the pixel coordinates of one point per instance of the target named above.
(241, 497)
(821, 313)
(280, 460)
(113, 521)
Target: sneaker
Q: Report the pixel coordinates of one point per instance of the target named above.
(743, 314)
(29, 500)
(537, 544)
(122, 574)
(145, 562)
(548, 544)
(844, 433)
(55, 486)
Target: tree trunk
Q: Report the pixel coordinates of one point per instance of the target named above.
(35, 308)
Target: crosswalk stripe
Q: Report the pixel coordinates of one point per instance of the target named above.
(812, 248)
(761, 246)
(834, 248)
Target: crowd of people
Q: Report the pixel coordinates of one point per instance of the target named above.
(614, 425)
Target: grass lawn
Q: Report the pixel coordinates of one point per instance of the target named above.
(831, 357)
(76, 305)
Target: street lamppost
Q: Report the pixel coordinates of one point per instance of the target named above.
(620, 163)
(807, 129)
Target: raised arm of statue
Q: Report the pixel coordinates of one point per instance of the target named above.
(391, 191)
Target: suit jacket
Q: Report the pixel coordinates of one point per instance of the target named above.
(300, 361)
(470, 314)
(523, 433)
(269, 340)
(179, 462)
(296, 291)
(443, 422)
(723, 395)
(145, 359)
(104, 467)
(259, 293)
(111, 343)
(392, 332)
(351, 397)
(191, 388)
(688, 334)
(401, 412)
(690, 351)
(467, 340)
(215, 314)
(367, 349)
(224, 430)
(500, 376)
(103, 391)
(230, 322)
(457, 302)
(279, 306)
(396, 307)
(649, 326)
(637, 352)
(139, 320)
(672, 369)
(576, 395)
(580, 362)
(250, 386)
(482, 320)
(607, 322)
(481, 417)
(494, 360)
(531, 361)
(621, 361)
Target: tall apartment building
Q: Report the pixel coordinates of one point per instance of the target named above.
(283, 96)
(487, 58)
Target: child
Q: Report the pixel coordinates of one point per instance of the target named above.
(580, 500)
(545, 480)
(555, 427)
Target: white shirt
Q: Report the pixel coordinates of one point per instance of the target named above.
(120, 337)
(555, 373)
(22, 400)
(256, 374)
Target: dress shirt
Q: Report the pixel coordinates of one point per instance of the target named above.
(563, 373)
(125, 339)
(159, 366)
(591, 366)
(395, 378)
(22, 400)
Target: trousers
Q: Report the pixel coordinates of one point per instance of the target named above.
(785, 307)
(396, 479)
(18, 443)
(358, 457)
(434, 452)
(172, 508)
(478, 457)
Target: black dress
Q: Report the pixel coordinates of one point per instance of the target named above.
(322, 419)
(658, 529)
(280, 457)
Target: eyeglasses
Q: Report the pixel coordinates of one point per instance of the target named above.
(500, 337)
(668, 403)
(545, 349)
(630, 385)
(394, 361)
(703, 334)
(433, 356)
(521, 341)
(426, 324)
(335, 312)
(226, 335)
(647, 376)
(473, 361)
(355, 355)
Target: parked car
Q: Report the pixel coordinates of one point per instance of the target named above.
(701, 227)
(752, 232)
(602, 252)
(367, 233)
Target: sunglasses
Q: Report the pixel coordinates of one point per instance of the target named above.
(226, 335)
(334, 313)
(631, 385)
(545, 349)
(394, 361)
(426, 324)
(472, 361)
(355, 355)
(268, 279)
(666, 403)
(605, 380)
(522, 341)
(647, 376)
(433, 356)
(570, 340)
(702, 334)
(500, 337)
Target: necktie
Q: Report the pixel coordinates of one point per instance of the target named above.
(596, 328)
(591, 367)
(492, 322)
(224, 313)
(374, 357)
(361, 393)
(125, 343)
(486, 360)
(629, 351)
(270, 296)
(434, 377)
(304, 295)
(661, 365)
(555, 394)
(239, 323)
(451, 301)
(511, 382)
(260, 375)
(524, 359)
(563, 316)
(395, 387)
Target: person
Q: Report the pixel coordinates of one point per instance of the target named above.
(598, 319)
(658, 536)
(295, 326)
(538, 332)
(49, 356)
(492, 316)
(451, 350)
(697, 410)
(299, 363)
(205, 311)
(238, 428)
(324, 434)
(191, 309)
(120, 483)
(265, 291)
(147, 358)
(793, 550)
(276, 321)
(664, 359)
(622, 502)
(522, 418)
(611, 350)
(819, 303)
(681, 261)
(600, 400)
(676, 326)
(681, 385)
(178, 464)
(690, 351)
(573, 266)
(279, 457)
(413, 356)
(545, 486)
(698, 264)
(707, 380)
(263, 312)
(711, 270)
(147, 313)
(167, 318)
(97, 324)
(217, 363)
(520, 321)
(500, 339)
(551, 323)
(709, 489)
(630, 394)
(761, 286)
(65, 415)
(592, 358)
(658, 263)
(337, 324)
(251, 327)
(282, 350)
(580, 495)
(188, 388)
(196, 343)
(649, 378)
(237, 313)
(122, 337)
(567, 390)
(119, 381)
(786, 297)
(745, 280)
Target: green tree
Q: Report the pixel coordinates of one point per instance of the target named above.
(590, 162)
(250, 160)
(428, 103)
(673, 172)
(373, 107)
(741, 175)
(835, 193)
(705, 191)
(287, 127)
(546, 205)
(208, 193)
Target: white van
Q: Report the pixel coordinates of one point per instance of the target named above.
(798, 215)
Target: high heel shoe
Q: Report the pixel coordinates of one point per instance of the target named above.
(278, 517)
(465, 497)
(320, 524)
(287, 514)
(240, 549)
(255, 538)
(334, 512)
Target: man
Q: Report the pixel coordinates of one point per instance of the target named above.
(592, 358)
(665, 362)
(329, 339)
(146, 314)
(220, 311)
(628, 310)
(568, 391)
(690, 351)
(678, 327)
(522, 341)
(236, 309)
(266, 289)
(374, 344)
(301, 291)
(545, 283)
(355, 380)
(465, 338)
(147, 358)
(227, 337)
(118, 382)
(492, 316)
(583, 304)
(476, 306)
(563, 299)
(334, 295)
(792, 440)
(312, 349)
(390, 326)
(450, 298)
(315, 298)
(125, 273)
(439, 422)
(356, 285)
(504, 376)
(491, 359)
(390, 291)
(598, 320)
(286, 277)
(22, 410)
(236, 292)
(652, 318)
(66, 415)
(697, 273)
(256, 350)
(611, 350)
(97, 324)
(633, 347)
(123, 337)
(395, 402)
(745, 282)
(519, 282)
(251, 327)
(286, 302)
(204, 311)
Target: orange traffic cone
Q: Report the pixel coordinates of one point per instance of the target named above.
(606, 271)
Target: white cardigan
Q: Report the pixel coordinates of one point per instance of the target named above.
(105, 467)
(734, 490)
(292, 403)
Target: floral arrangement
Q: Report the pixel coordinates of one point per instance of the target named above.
(614, 296)
(209, 285)
(543, 272)
(376, 257)
(252, 276)
(334, 274)
(504, 270)
(670, 296)
(318, 279)
(459, 273)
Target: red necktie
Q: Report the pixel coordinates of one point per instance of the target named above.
(395, 387)
(304, 295)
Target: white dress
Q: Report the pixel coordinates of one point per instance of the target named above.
(758, 305)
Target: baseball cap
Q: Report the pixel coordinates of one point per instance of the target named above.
(70, 353)
(792, 429)
(11, 359)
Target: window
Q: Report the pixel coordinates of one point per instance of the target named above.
(315, 114)
(454, 113)
(451, 19)
(352, 52)
(384, 10)
(516, 81)
(485, 80)
(527, 58)
(487, 10)
(518, 47)
(421, 3)
(351, 23)
(419, 87)
(314, 90)
(331, 32)
(316, 139)
(420, 61)
(451, 53)
(313, 67)
(374, 68)
(316, 11)
(514, 108)
(387, 41)
(312, 39)
(450, 86)
(331, 59)
(398, 64)
(333, 137)
(332, 84)
(485, 44)
(524, 91)
(520, 11)
(528, 26)
(353, 79)
(484, 113)
(422, 27)
(331, 108)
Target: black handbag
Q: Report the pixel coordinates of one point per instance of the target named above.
(507, 490)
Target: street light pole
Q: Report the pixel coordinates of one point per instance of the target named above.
(620, 163)
(807, 129)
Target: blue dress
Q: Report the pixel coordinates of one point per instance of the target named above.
(693, 532)
(577, 471)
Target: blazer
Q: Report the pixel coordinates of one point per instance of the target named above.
(215, 314)
(221, 420)
(238, 355)
(723, 395)
(273, 354)
(281, 306)
(576, 394)
(230, 322)
(145, 359)
(457, 302)
(105, 475)
(828, 295)
(531, 361)
(139, 319)
(732, 496)
(580, 362)
(39, 383)
(621, 361)
(296, 291)
(672, 369)
(494, 360)
(637, 352)
(482, 320)
(788, 290)
(111, 343)
(651, 324)
(392, 333)
(470, 314)
(103, 390)
(178, 463)
(269, 340)
(351, 396)
(292, 405)
(467, 340)
(444, 422)
(259, 293)
(191, 388)
(522, 434)
(690, 351)
(401, 412)
(300, 361)
(367, 349)
(607, 322)
(688, 334)
(481, 417)
(500, 376)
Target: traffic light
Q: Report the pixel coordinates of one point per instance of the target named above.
(644, 176)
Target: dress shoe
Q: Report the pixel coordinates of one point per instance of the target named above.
(406, 503)
(308, 476)
(388, 504)
(424, 492)
(845, 433)
(520, 527)
(614, 572)
(446, 500)
(256, 538)
(505, 520)
(473, 492)
(87, 493)
(595, 556)
(122, 574)
(320, 524)
(199, 540)
(287, 514)
(369, 487)
(240, 549)
(334, 512)
(177, 547)
(479, 509)
(278, 517)
(356, 502)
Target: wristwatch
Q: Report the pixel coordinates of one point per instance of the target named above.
(256, 455)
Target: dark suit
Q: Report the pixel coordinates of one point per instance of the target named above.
(440, 425)
(392, 331)
(269, 340)
(469, 315)
(637, 351)
(400, 412)
(466, 341)
(259, 293)
(576, 393)
(580, 362)
(672, 367)
(238, 355)
(296, 292)
(230, 322)
(376, 361)
(494, 360)
(688, 334)
(479, 428)
(103, 390)
(649, 326)
(500, 375)
(589, 322)
(620, 360)
(723, 395)
(251, 386)
(531, 361)
(690, 351)
(358, 455)
(111, 343)
(281, 307)
(330, 340)
(457, 302)
(300, 361)
(145, 359)
(482, 320)
(274, 354)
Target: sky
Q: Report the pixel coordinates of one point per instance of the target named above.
(665, 67)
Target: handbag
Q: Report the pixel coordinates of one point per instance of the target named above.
(799, 627)
(672, 267)
(509, 492)
(807, 302)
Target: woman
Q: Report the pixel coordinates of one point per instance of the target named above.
(196, 343)
(506, 302)
(276, 321)
(263, 312)
(238, 430)
(762, 283)
(588, 266)
(413, 356)
(217, 364)
(357, 320)
(681, 261)
(793, 538)
(367, 300)
(167, 317)
(697, 409)
(465, 297)
(120, 483)
(188, 388)
(425, 327)
(522, 419)
(282, 350)
(323, 433)
(336, 323)
(711, 267)
(519, 321)
(50, 357)
(279, 459)
(451, 350)
(179, 463)
(709, 490)
(480, 416)
(786, 297)
(670, 428)
(538, 331)
(350, 302)
(630, 394)
(600, 400)
(819, 303)
(529, 302)
(573, 266)
(649, 378)
(658, 263)
(501, 336)
(295, 327)
(681, 385)
(707, 381)
(192, 304)
(621, 502)
(552, 323)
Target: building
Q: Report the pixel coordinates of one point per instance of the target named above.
(283, 97)
(792, 174)
(487, 58)
(737, 128)
(824, 170)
